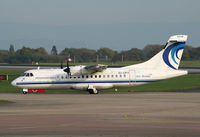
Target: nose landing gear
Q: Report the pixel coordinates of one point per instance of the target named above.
(25, 91)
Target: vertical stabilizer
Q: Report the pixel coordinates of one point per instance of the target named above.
(167, 58)
(174, 50)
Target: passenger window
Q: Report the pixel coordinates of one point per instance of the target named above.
(27, 74)
(87, 76)
(91, 76)
(124, 75)
(99, 76)
(31, 74)
(95, 76)
(120, 76)
(108, 76)
(116, 76)
(78, 77)
(104, 76)
(112, 76)
(66, 77)
(82, 76)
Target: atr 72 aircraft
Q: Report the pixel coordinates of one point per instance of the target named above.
(96, 77)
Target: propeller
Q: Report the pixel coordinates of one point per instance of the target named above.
(68, 68)
(61, 62)
(61, 65)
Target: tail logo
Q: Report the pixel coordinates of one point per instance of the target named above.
(174, 50)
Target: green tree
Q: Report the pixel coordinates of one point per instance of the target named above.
(151, 50)
(28, 55)
(106, 54)
(4, 55)
(80, 55)
(186, 54)
(11, 49)
(134, 54)
(54, 50)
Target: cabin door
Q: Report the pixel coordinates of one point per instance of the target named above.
(132, 77)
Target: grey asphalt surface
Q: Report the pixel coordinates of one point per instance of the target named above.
(163, 114)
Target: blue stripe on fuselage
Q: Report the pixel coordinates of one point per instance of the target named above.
(83, 82)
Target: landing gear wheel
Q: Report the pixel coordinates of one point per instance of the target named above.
(24, 92)
(95, 92)
(92, 91)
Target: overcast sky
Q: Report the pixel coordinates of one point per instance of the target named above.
(65, 12)
(118, 24)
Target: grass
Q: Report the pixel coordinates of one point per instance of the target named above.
(193, 63)
(190, 81)
(6, 85)
(5, 102)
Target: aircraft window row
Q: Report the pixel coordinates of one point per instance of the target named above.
(27, 74)
(94, 76)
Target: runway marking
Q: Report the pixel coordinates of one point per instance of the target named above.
(140, 115)
(30, 127)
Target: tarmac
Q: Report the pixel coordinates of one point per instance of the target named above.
(163, 114)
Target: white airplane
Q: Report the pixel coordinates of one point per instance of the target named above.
(92, 78)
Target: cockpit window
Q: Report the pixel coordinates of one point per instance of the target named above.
(27, 75)
(24, 74)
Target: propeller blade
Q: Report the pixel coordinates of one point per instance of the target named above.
(68, 68)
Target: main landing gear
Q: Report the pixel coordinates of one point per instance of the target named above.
(92, 90)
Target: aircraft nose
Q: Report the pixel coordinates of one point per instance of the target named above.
(13, 83)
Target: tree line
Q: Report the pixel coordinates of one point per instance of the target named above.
(27, 55)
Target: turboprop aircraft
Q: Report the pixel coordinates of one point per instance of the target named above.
(93, 78)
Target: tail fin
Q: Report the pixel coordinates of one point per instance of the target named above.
(174, 50)
(169, 57)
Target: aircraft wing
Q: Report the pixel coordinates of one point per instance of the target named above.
(85, 70)
(96, 68)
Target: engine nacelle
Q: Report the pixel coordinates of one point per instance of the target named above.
(79, 70)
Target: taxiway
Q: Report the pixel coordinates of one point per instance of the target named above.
(163, 114)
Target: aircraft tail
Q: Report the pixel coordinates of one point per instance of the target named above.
(169, 57)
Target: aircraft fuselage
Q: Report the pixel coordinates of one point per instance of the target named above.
(110, 78)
